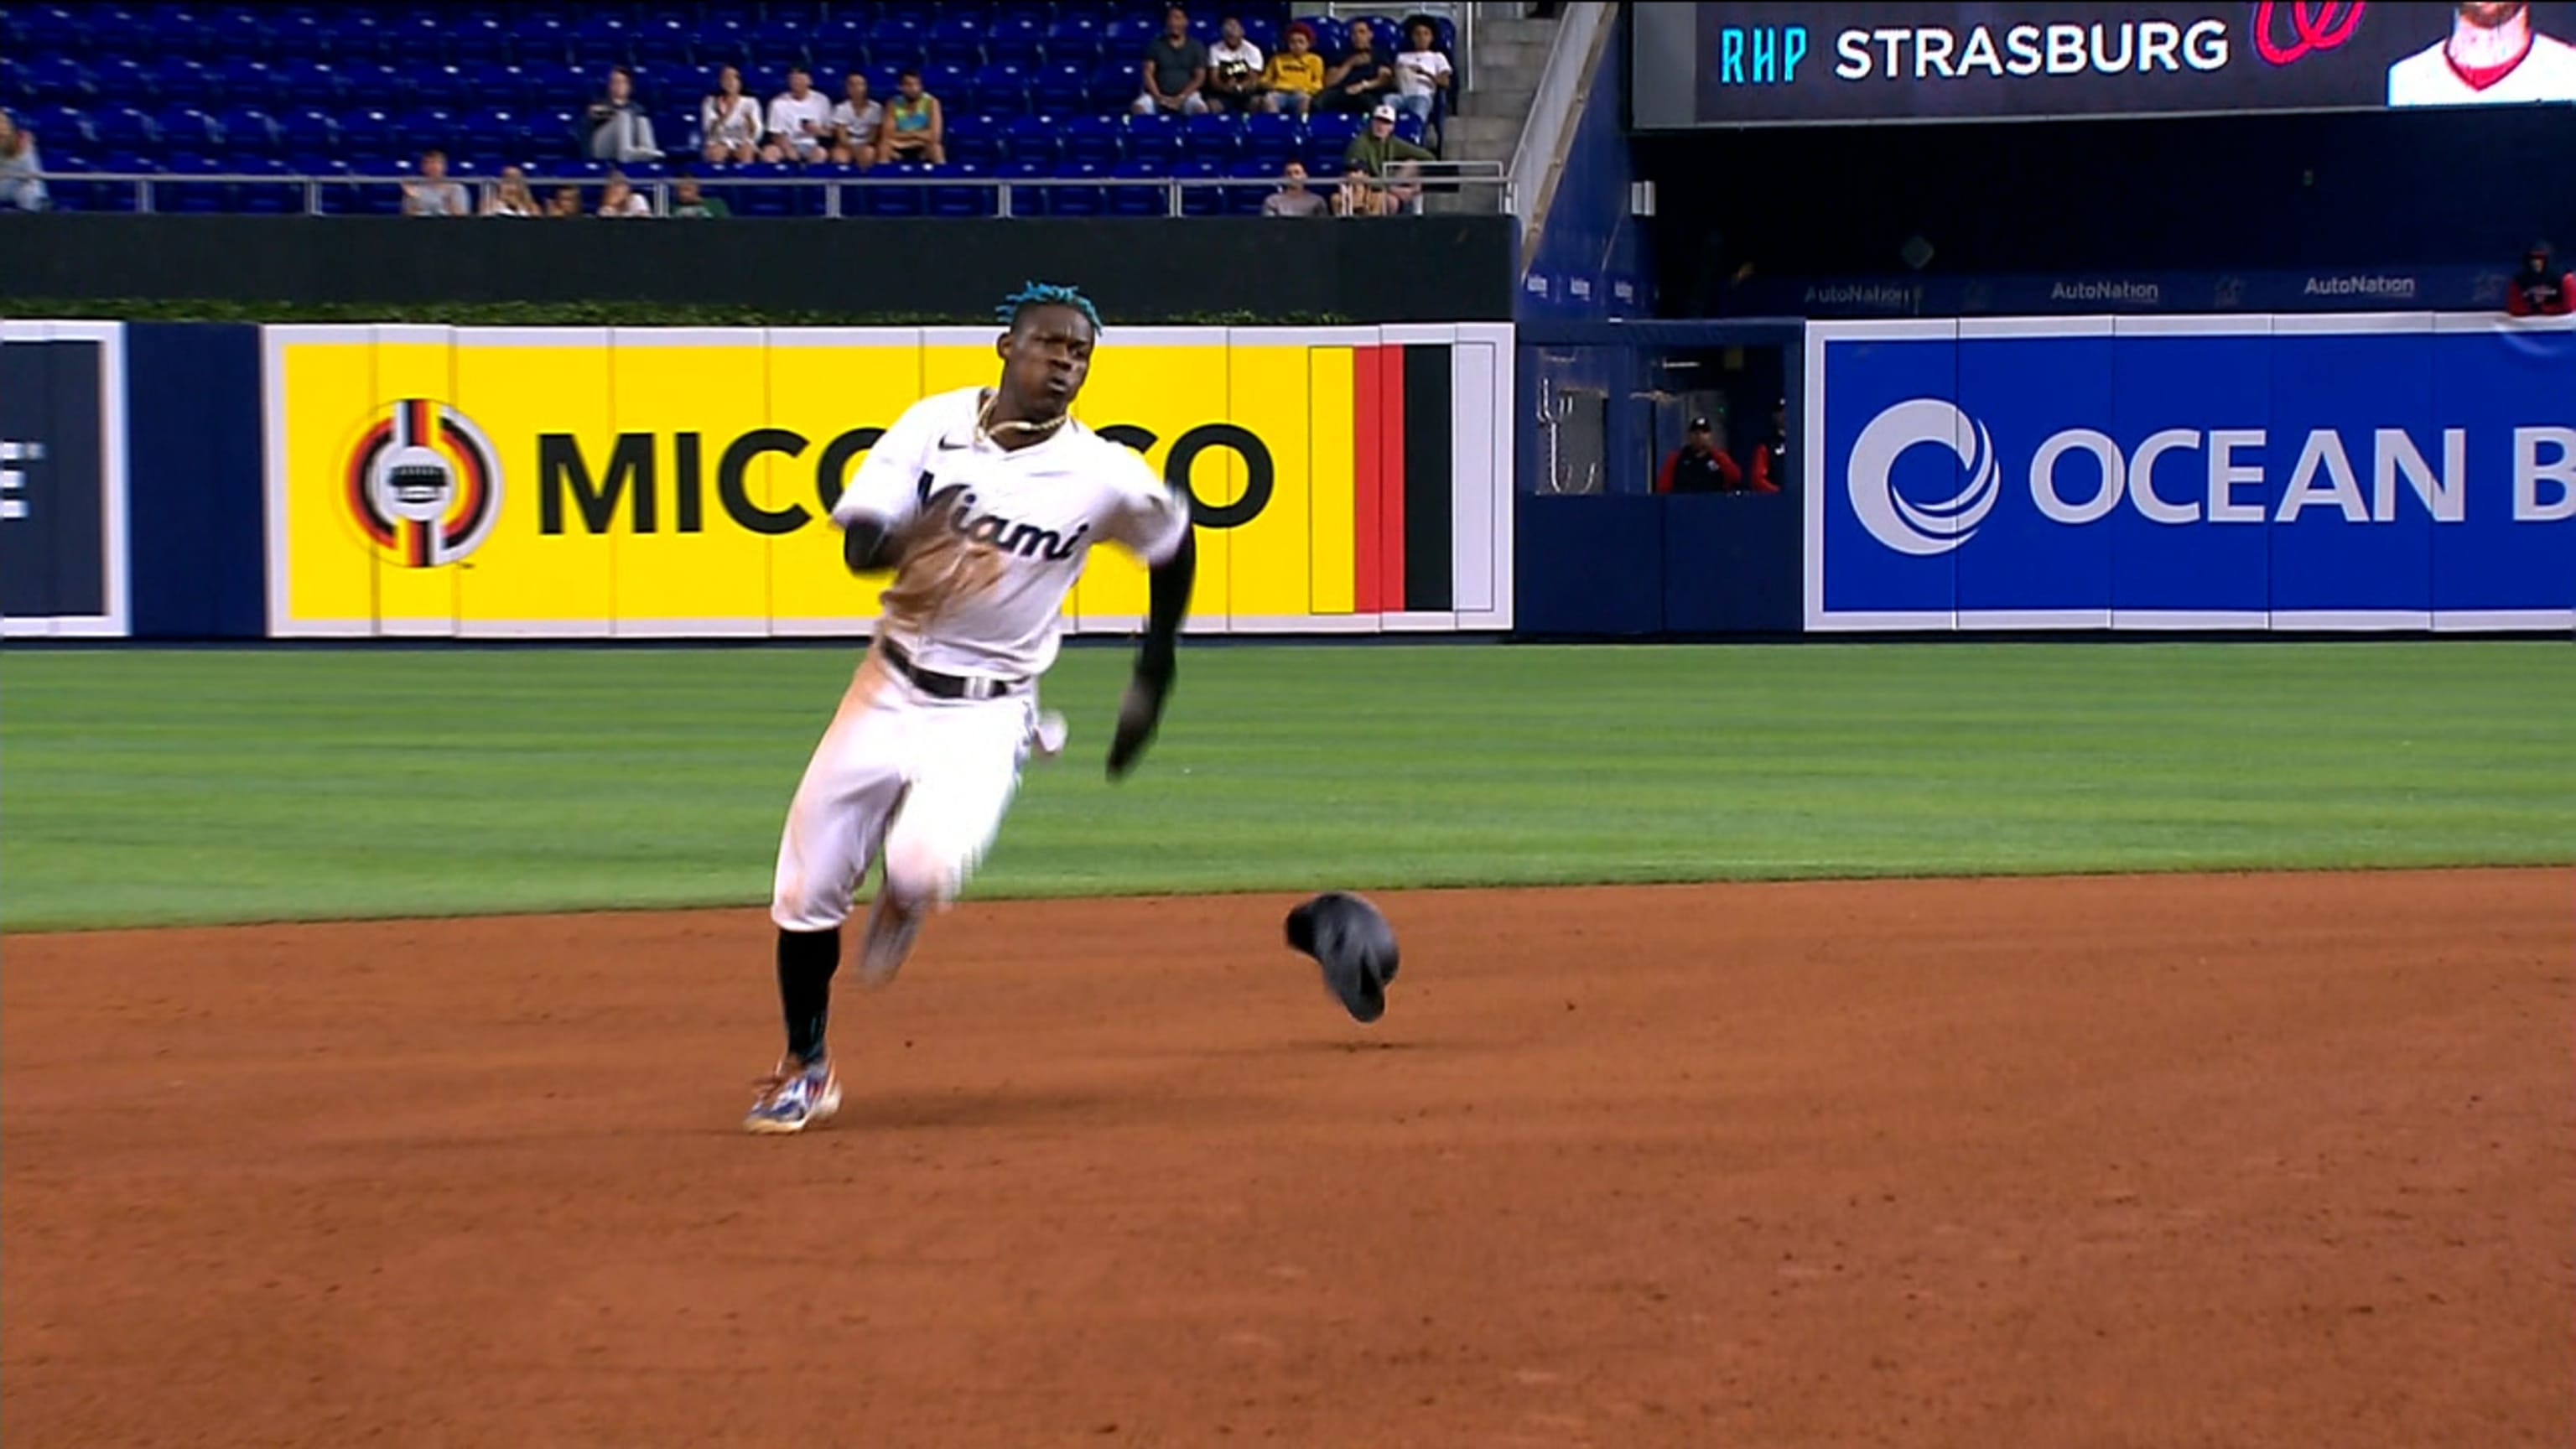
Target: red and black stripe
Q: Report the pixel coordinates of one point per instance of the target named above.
(1404, 490)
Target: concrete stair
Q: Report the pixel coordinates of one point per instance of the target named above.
(1485, 123)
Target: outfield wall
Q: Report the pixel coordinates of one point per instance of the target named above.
(2381, 472)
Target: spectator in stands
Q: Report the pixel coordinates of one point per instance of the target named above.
(565, 202)
(1234, 70)
(686, 202)
(2540, 289)
(1699, 465)
(1359, 194)
(1361, 80)
(800, 121)
(1390, 158)
(1294, 74)
(1771, 458)
(855, 123)
(510, 196)
(617, 198)
(1293, 199)
(729, 122)
(22, 184)
(1421, 71)
(433, 194)
(616, 127)
(1176, 69)
(914, 124)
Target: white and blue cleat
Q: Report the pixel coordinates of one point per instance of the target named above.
(799, 1096)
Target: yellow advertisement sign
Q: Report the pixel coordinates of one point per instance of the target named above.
(521, 481)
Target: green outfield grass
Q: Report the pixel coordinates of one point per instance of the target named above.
(142, 786)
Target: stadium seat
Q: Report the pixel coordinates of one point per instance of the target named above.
(1246, 200)
(963, 200)
(1096, 140)
(1214, 138)
(1156, 138)
(1201, 200)
(478, 40)
(1000, 89)
(236, 33)
(1115, 85)
(1139, 200)
(1025, 200)
(1065, 200)
(309, 131)
(1036, 139)
(1016, 40)
(177, 80)
(972, 139)
(1273, 141)
(880, 196)
(303, 83)
(248, 130)
(272, 199)
(125, 128)
(1062, 88)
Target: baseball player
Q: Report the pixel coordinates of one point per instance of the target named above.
(986, 503)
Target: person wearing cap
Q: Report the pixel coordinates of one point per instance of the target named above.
(1771, 457)
(1699, 465)
(2540, 289)
(1388, 157)
(1361, 80)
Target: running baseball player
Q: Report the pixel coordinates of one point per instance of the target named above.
(986, 502)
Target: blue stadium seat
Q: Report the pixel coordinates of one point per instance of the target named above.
(1332, 37)
(61, 129)
(366, 131)
(124, 128)
(963, 200)
(1329, 134)
(1076, 200)
(248, 131)
(880, 199)
(14, 90)
(476, 40)
(945, 80)
(1273, 141)
(1018, 40)
(1116, 84)
(272, 199)
(1025, 200)
(116, 78)
(1074, 39)
(1214, 138)
(1037, 139)
(972, 139)
(761, 200)
(782, 43)
(602, 39)
(1126, 35)
(1201, 200)
(236, 33)
(59, 80)
(1063, 88)
(178, 80)
(897, 33)
(373, 83)
(304, 83)
(1139, 200)
(1097, 140)
(1155, 138)
(1000, 89)
(496, 131)
(309, 131)
(299, 35)
(1246, 200)
(425, 126)
(540, 37)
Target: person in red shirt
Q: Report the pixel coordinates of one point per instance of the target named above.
(1698, 465)
(1771, 459)
(2540, 289)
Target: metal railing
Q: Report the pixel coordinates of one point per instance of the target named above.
(1481, 178)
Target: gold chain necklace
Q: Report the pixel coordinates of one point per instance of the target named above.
(985, 425)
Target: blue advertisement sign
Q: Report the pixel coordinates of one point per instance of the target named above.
(2388, 471)
(62, 479)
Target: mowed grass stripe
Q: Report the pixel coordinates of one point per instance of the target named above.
(149, 786)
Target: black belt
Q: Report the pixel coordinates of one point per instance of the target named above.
(946, 686)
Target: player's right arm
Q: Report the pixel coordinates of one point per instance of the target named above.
(885, 496)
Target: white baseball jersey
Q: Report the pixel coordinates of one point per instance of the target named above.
(1027, 521)
(2546, 72)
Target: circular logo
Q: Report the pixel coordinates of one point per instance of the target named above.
(422, 484)
(1921, 529)
(2314, 27)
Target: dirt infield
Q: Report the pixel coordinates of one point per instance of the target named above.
(2156, 1162)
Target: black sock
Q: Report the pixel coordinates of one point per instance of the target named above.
(806, 961)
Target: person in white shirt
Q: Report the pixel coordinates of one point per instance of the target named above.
(512, 196)
(855, 122)
(618, 198)
(1234, 70)
(2492, 57)
(800, 122)
(1421, 71)
(986, 503)
(729, 122)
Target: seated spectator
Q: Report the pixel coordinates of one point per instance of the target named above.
(1390, 158)
(619, 199)
(729, 122)
(800, 122)
(1361, 80)
(855, 123)
(510, 196)
(913, 124)
(1234, 70)
(1421, 71)
(1294, 75)
(1771, 457)
(616, 128)
(565, 202)
(2540, 289)
(22, 183)
(1176, 69)
(1359, 194)
(1293, 199)
(433, 194)
(686, 202)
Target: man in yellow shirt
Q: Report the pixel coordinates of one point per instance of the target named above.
(1294, 74)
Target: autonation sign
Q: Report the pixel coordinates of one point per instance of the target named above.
(2389, 471)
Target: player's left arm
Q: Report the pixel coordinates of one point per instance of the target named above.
(1155, 522)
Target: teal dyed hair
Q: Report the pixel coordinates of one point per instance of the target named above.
(1047, 294)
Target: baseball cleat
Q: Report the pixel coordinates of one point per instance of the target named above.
(799, 1096)
(888, 940)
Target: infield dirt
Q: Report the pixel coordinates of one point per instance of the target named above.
(2160, 1161)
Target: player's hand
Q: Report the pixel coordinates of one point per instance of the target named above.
(1140, 714)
